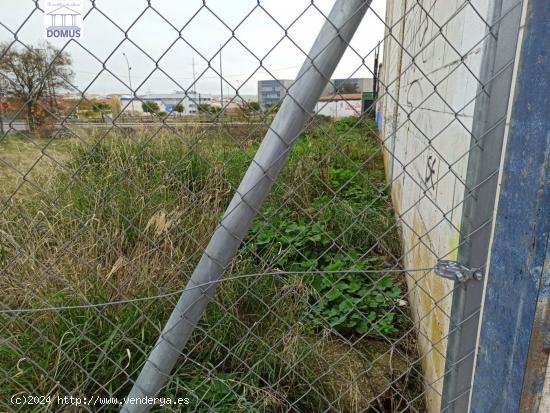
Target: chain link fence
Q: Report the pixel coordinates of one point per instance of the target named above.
(294, 244)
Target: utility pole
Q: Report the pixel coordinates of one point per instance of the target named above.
(194, 77)
(221, 85)
(1, 112)
(2, 103)
(130, 80)
(375, 80)
(194, 89)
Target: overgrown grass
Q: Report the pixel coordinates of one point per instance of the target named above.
(130, 217)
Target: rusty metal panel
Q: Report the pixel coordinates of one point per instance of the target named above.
(536, 386)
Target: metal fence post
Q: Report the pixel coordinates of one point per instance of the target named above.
(481, 185)
(323, 58)
(517, 283)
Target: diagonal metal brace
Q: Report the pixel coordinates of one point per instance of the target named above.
(452, 270)
(298, 105)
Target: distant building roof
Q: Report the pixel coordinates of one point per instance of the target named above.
(177, 95)
(341, 96)
(64, 10)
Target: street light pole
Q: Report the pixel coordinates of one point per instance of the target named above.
(1, 107)
(1, 114)
(130, 80)
(221, 86)
(194, 77)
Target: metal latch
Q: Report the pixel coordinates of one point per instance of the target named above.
(452, 270)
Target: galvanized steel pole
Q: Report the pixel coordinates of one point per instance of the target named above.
(299, 103)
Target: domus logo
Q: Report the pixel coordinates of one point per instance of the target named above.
(63, 19)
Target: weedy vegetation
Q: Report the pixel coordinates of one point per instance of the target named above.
(319, 325)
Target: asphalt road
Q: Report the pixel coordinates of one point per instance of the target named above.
(22, 126)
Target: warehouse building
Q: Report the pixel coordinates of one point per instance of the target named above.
(349, 85)
(166, 102)
(272, 92)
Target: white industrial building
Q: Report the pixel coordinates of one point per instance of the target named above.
(339, 105)
(166, 102)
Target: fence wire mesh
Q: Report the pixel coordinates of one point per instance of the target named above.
(331, 303)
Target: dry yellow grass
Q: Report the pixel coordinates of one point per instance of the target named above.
(25, 161)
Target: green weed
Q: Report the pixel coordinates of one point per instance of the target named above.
(130, 218)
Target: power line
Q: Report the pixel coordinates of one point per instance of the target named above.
(193, 77)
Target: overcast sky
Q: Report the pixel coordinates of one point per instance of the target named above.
(157, 38)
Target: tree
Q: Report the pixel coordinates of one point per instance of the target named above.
(248, 109)
(179, 108)
(254, 106)
(348, 87)
(101, 107)
(34, 73)
(207, 108)
(204, 107)
(150, 107)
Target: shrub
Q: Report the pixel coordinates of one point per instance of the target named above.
(150, 107)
